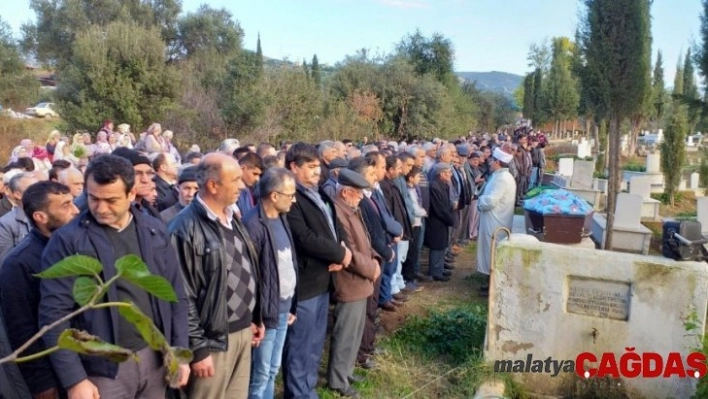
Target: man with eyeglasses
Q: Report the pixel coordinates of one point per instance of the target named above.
(269, 229)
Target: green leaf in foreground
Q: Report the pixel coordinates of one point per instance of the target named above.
(84, 289)
(134, 270)
(145, 327)
(74, 265)
(173, 357)
(87, 344)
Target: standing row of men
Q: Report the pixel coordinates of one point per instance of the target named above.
(253, 286)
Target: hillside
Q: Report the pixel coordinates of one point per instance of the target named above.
(501, 82)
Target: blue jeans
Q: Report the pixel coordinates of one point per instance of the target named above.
(387, 279)
(266, 360)
(303, 348)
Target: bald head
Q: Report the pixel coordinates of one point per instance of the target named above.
(72, 178)
(219, 177)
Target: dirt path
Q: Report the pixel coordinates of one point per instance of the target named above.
(462, 287)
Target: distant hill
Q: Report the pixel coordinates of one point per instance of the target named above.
(500, 82)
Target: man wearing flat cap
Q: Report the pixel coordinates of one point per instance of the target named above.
(496, 207)
(353, 285)
(330, 185)
(187, 188)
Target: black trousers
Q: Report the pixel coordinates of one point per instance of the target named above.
(410, 266)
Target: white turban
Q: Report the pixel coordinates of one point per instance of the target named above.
(502, 156)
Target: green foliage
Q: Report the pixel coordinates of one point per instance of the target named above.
(560, 95)
(528, 97)
(456, 334)
(634, 167)
(87, 344)
(703, 173)
(85, 288)
(18, 88)
(658, 87)
(89, 290)
(432, 55)
(209, 29)
(316, 72)
(58, 23)
(665, 198)
(117, 72)
(74, 265)
(673, 150)
(134, 270)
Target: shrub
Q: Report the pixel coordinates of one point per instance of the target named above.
(456, 334)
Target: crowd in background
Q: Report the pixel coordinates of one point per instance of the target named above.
(261, 243)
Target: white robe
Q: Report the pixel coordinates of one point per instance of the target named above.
(496, 207)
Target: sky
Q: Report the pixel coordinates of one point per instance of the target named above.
(488, 35)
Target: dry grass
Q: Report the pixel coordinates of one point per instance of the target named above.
(14, 130)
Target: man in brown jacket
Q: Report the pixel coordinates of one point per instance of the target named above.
(352, 286)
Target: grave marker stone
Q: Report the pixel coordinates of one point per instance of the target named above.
(628, 211)
(582, 174)
(565, 167)
(640, 186)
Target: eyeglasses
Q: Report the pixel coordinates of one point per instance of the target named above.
(289, 196)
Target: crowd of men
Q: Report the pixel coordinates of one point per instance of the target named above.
(260, 244)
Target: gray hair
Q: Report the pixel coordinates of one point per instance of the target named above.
(445, 149)
(440, 167)
(428, 146)
(14, 184)
(228, 146)
(369, 148)
(208, 171)
(414, 149)
(324, 146)
(273, 179)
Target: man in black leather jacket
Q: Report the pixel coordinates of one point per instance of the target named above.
(219, 265)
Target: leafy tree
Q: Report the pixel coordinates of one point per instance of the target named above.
(243, 101)
(432, 55)
(316, 72)
(690, 89)
(117, 72)
(678, 80)
(561, 92)
(209, 29)
(611, 33)
(18, 88)
(58, 23)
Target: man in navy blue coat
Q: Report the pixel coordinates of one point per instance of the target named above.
(48, 206)
(111, 228)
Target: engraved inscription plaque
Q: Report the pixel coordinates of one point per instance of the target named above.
(598, 298)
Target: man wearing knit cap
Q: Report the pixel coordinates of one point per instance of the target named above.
(144, 175)
(496, 207)
(187, 188)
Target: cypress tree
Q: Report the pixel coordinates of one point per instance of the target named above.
(528, 97)
(316, 72)
(614, 31)
(259, 54)
(658, 87)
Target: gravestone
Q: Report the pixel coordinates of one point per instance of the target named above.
(628, 211)
(584, 150)
(553, 301)
(702, 212)
(682, 185)
(654, 163)
(565, 167)
(582, 174)
(640, 186)
(695, 177)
